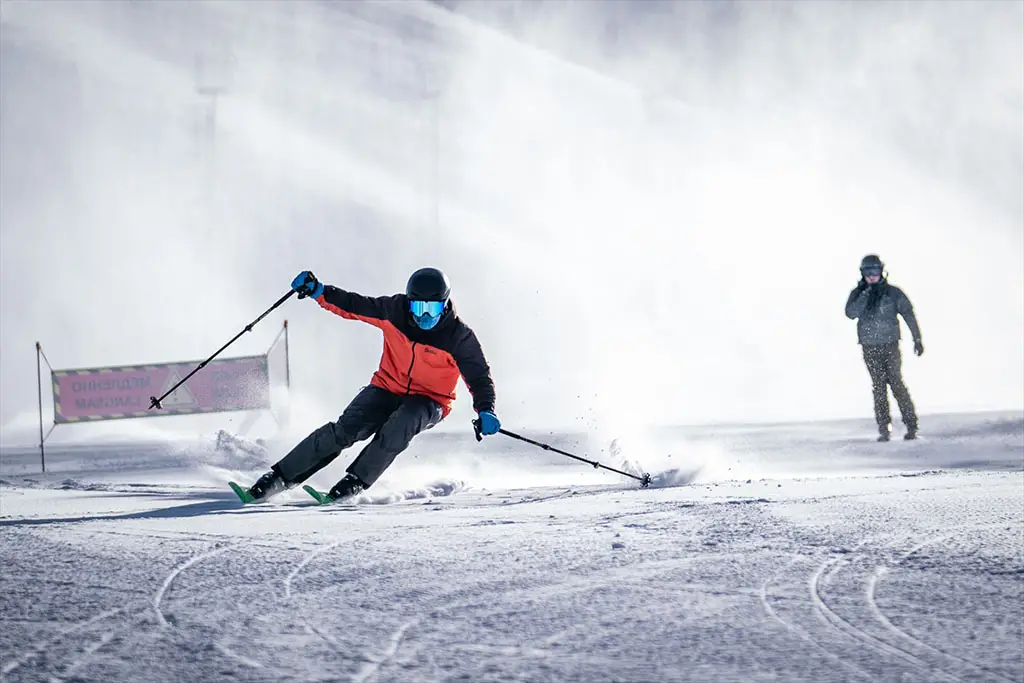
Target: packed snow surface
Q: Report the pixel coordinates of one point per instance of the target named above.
(798, 552)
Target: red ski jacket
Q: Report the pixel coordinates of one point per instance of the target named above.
(414, 360)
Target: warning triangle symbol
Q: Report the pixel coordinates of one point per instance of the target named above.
(181, 398)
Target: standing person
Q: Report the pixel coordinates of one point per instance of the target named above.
(874, 304)
(427, 347)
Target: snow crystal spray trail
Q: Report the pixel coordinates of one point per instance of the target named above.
(675, 476)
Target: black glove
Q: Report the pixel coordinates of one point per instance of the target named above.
(918, 347)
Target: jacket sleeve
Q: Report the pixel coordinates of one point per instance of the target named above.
(372, 310)
(469, 356)
(856, 303)
(906, 309)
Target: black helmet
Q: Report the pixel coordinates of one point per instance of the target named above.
(428, 291)
(871, 262)
(428, 284)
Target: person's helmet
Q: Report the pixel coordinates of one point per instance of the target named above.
(871, 265)
(428, 290)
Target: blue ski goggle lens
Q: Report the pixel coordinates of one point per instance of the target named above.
(872, 271)
(430, 308)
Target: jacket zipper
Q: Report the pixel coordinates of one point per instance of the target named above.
(408, 387)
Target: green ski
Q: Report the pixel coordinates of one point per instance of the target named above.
(321, 498)
(243, 494)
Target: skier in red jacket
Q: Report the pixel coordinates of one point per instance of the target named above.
(426, 348)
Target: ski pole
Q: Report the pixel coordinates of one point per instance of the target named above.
(644, 480)
(155, 402)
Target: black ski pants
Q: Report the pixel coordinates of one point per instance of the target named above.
(391, 419)
(885, 366)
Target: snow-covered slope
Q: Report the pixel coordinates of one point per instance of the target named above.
(790, 552)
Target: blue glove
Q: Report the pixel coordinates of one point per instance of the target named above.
(489, 423)
(306, 284)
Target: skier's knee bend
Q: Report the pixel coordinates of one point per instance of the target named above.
(342, 437)
(395, 441)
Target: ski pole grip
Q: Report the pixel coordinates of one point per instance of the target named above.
(309, 279)
(476, 430)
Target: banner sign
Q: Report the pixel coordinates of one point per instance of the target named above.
(122, 392)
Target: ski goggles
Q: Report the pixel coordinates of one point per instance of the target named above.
(432, 309)
(873, 271)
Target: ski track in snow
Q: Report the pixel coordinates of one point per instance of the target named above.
(287, 581)
(879, 573)
(373, 666)
(844, 625)
(169, 579)
(77, 663)
(290, 578)
(828, 568)
(40, 648)
(166, 585)
(803, 632)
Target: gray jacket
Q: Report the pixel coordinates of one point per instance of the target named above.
(875, 308)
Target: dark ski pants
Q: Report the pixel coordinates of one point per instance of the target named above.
(392, 420)
(884, 363)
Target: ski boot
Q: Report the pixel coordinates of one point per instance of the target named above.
(911, 433)
(349, 485)
(267, 485)
(883, 433)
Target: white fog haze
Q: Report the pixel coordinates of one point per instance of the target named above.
(655, 225)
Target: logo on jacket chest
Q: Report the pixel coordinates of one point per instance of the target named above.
(434, 357)
(433, 354)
